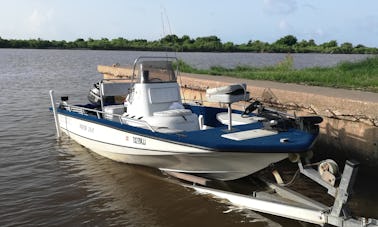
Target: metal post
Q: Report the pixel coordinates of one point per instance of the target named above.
(345, 188)
(229, 117)
(101, 97)
(55, 113)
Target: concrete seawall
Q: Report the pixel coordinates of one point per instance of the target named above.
(350, 117)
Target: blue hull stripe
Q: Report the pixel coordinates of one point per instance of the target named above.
(128, 129)
(212, 140)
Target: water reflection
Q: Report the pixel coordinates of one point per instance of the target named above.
(139, 196)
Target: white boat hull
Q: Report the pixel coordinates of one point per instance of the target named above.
(127, 147)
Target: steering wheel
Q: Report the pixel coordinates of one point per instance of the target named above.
(155, 79)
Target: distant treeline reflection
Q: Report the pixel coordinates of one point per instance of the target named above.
(286, 44)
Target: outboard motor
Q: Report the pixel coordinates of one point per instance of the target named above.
(94, 94)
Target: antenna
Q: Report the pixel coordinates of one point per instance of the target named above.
(165, 24)
(164, 18)
(162, 22)
(169, 24)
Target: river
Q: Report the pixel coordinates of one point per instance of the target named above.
(50, 182)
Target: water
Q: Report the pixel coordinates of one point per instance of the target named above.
(48, 182)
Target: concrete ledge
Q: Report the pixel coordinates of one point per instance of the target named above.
(329, 102)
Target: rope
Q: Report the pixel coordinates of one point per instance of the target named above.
(292, 179)
(296, 174)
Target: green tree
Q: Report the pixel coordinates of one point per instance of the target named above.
(330, 44)
(305, 43)
(119, 43)
(208, 43)
(186, 39)
(170, 39)
(4, 43)
(286, 44)
(229, 47)
(346, 48)
(257, 46)
(80, 43)
(288, 40)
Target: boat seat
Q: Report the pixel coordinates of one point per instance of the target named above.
(228, 94)
(237, 119)
(173, 113)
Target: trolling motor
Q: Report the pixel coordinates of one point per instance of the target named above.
(94, 94)
(252, 107)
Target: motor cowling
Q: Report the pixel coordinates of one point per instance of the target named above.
(94, 94)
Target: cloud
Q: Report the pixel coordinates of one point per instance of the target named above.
(39, 21)
(35, 20)
(280, 6)
(319, 32)
(309, 6)
(283, 25)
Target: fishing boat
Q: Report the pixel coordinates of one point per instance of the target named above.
(154, 127)
(196, 143)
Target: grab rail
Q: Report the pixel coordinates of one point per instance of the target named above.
(80, 110)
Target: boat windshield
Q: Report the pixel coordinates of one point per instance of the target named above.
(156, 72)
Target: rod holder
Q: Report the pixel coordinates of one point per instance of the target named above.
(229, 117)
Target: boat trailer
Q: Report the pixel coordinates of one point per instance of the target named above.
(284, 202)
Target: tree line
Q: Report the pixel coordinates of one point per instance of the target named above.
(286, 44)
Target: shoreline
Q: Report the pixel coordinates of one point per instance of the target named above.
(286, 44)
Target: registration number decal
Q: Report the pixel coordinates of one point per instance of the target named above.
(87, 128)
(139, 140)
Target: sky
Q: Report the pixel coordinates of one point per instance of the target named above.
(236, 21)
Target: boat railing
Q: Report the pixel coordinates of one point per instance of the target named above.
(239, 105)
(99, 113)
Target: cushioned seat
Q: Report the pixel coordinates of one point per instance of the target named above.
(228, 94)
(229, 89)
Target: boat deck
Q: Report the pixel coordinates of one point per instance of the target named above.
(217, 137)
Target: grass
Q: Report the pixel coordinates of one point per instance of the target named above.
(362, 75)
